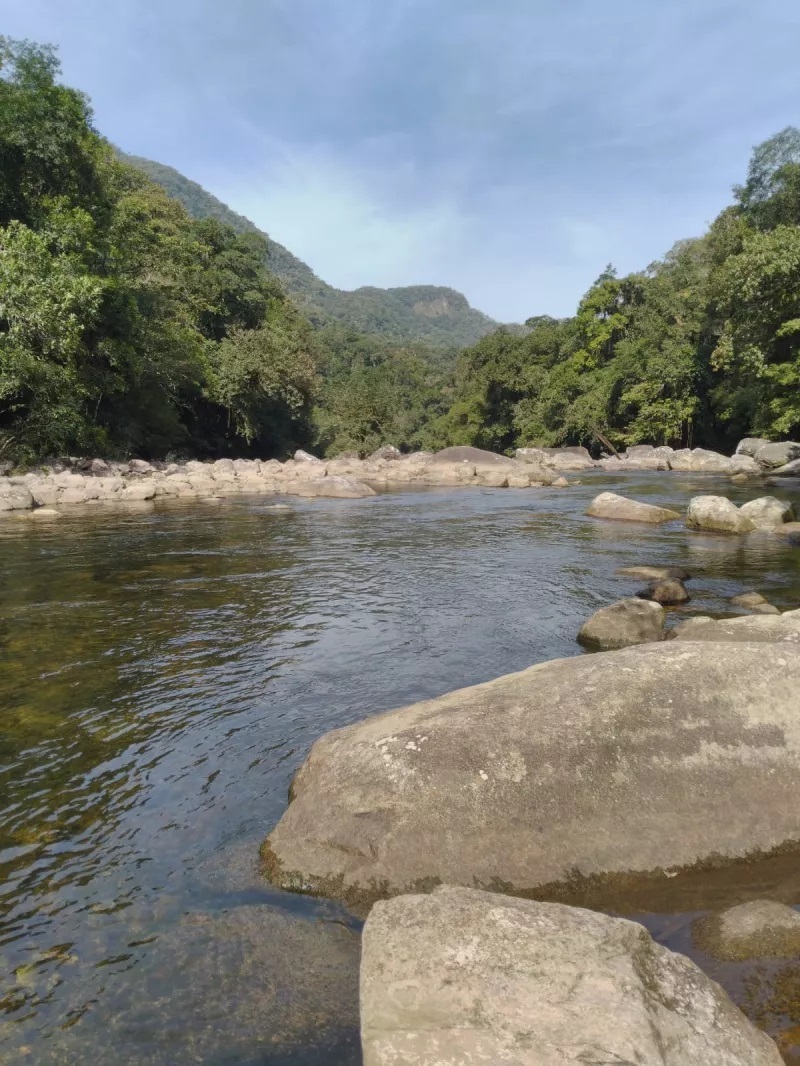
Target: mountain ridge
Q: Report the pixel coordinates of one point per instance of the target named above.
(435, 314)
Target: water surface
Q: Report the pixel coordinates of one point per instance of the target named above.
(163, 673)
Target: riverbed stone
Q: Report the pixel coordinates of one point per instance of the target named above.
(717, 514)
(655, 573)
(336, 487)
(669, 592)
(749, 599)
(462, 976)
(776, 455)
(759, 929)
(767, 512)
(754, 629)
(620, 508)
(789, 531)
(744, 464)
(750, 445)
(623, 624)
(476, 456)
(789, 470)
(701, 460)
(587, 767)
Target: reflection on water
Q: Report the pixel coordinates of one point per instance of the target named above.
(162, 675)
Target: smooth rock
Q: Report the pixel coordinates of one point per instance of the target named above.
(701, 460)
(789, 470)
(744, 464)
(753, 629)
(749, 599)
(650, 759)
(655, 573)
(139, 466)
(789, 530)
(305, 457)
(477, 456)
(765, 608)
(559, 483)
(669, 592)
(623, 624)
(610, 505)
(777, 455)
(750, 445)
(463, 977)
(767, 512)
(387, 452)
(758, 929)
(45, 512)
(341, 488)
(717, 514)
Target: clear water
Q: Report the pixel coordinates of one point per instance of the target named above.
(163, 673)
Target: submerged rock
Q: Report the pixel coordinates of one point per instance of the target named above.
(669, 592)
(588, 767)
(717, 514)
(749, 599)
(610, 505)
(340, 488)
(758, 929)
(623, 624)
(461, 977)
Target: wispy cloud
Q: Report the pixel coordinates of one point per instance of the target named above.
(509, 150)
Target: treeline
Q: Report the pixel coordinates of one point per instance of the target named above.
(702, 348)
(126, 326)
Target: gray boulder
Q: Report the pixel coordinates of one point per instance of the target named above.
(388, 451)
(789, 470)
(463, 977)
(623, 624)
(655, 573)
(767, 512)
(669, 592)
(477, 456)
(744, 464)
(701, 460)
(749, 599)
(340, 488)
(717, 514)
(777, 455)
(305, 457)
(752, 629)
(140, 466)
(580, 768)
(750, 445)
(610, 505)
(790, 531)
(756, 930)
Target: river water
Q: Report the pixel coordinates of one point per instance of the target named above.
(163, 673)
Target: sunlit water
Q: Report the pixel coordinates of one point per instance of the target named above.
(162, 675)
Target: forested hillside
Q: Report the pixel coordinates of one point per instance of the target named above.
(133, 322)
(429, 313)
(701, 347)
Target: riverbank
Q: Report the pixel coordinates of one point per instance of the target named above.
(93, 482)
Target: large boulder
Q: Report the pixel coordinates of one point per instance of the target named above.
(750, 445)
(669, 592)
(301, 456)
(758, 929)
(610, 505)
(744, 465)
(387, 452)
(700, 460)
(789, 470)
(477, 456)
(649, 759)
(752, 629)
(717, 514)
(16, 498)
(777, 455)
(623, 624)
(460, 977)
(767, 512)
(340, 488)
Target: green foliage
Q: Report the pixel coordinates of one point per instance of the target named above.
(125, 325)
(430, 314)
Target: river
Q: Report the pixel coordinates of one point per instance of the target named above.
(163, 673)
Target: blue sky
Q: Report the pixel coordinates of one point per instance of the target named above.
(509, 149)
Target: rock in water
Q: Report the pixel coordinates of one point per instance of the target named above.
(775, 455)
(627, 762)
(471, 455)
(463, 977)
(655, 573)
(768, 512)
(623, 624)
(388, 451)
(609, 505)
(750, 445)
(749, 599)
(768, 629)
(339, 488)
(717, 514)
(758, 929)
(670, 592)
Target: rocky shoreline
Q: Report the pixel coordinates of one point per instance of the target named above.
(76, 482)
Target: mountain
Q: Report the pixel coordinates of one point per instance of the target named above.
(429, 313)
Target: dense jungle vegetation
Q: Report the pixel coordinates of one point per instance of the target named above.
(140, 316)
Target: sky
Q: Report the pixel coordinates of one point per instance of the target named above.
(507, 148)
